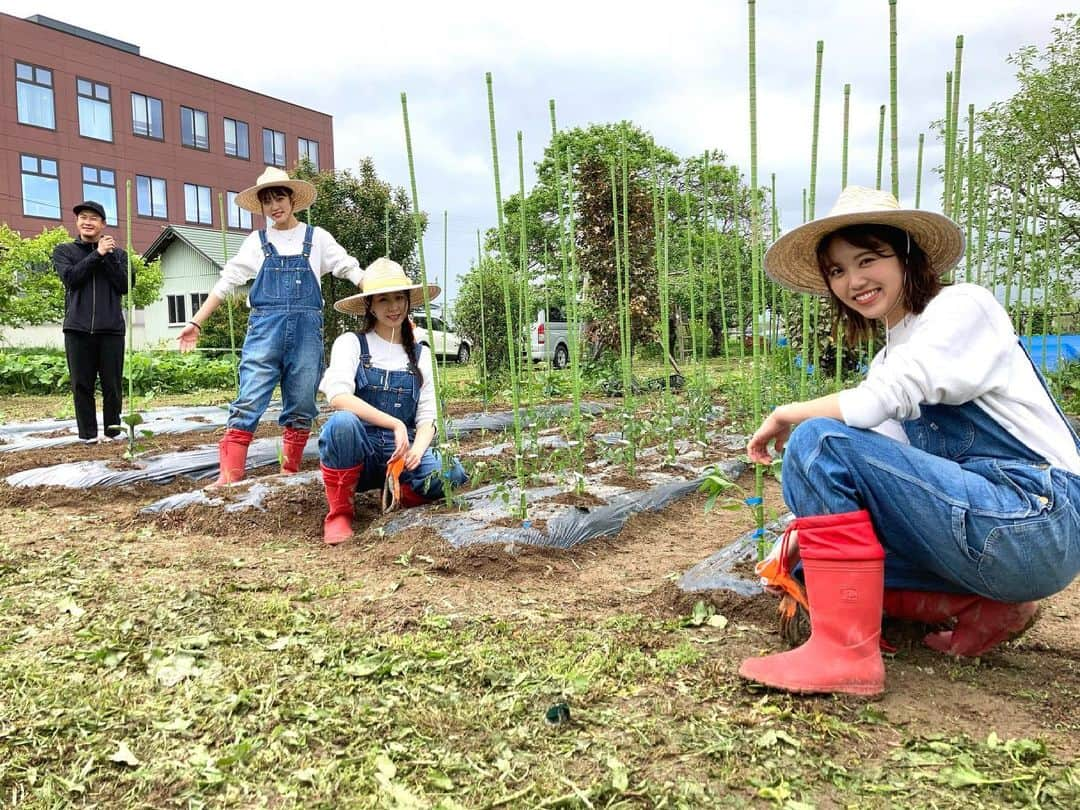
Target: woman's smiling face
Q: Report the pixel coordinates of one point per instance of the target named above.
(871, 282)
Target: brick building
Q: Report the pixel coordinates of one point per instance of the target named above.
(81, 114)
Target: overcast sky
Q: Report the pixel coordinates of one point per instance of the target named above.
(681, 75)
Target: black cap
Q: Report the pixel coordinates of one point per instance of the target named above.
(90, 205)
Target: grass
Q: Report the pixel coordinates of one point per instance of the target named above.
(228, 686)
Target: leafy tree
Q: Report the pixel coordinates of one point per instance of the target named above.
(355, 209)
(1027, 156)
(31, 292)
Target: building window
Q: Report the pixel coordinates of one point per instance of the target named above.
(100, 185)
(197, 300)
(194, 128)
(273, 148)
(34, 91)
(236, 138)
(238, 217)
(40, 187)
(310, 150)
(177, 311)
(95, 110)
(150, 197)
(197, 204)
(146, 116)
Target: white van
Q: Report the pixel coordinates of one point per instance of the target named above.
(550, 338)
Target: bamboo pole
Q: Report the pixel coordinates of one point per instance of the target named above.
(918, 171)
(511, 345)
(893, 106)
(755, 259)
(880, 145)
(483, 323)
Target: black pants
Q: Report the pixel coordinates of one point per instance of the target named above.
(89, 356)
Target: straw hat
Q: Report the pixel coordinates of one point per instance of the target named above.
(303, 193)
(792, 259)
(384, 276)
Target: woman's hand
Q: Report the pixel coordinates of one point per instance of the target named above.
(776, 429)
(188, 337)
(401, 442)
(412, 458)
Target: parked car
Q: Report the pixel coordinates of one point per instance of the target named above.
(440, 338)
(550, 338)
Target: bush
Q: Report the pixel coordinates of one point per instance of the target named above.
(45, 372)
(215, 332)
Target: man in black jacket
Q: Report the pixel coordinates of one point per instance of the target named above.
(94, 272)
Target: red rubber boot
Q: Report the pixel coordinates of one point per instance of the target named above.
(340, 488)
(293, 442)
(844, 566)
(981, 623)
(232, 455)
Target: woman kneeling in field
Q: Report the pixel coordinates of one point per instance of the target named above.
(381, 386)
(945, 487)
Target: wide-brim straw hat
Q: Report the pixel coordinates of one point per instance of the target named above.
(303, 193)
(385, 276)
(792, 259)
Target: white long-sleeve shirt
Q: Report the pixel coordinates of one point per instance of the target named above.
(961, 348)
(326, 256)
(340, 375)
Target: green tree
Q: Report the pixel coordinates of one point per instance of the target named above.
(30, 290)
(356, 209)
(1027, 157)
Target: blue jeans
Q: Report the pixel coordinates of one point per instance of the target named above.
(968, 514)
(346, 441)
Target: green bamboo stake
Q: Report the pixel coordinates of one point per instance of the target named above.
(880, 144)
(418, 226)
(446, 279)
(511, 346)
(386, 228)
(575, 323)
(812, 199)
(523, 270)
(954, 106)
(132, 419)
(755, 259)
(947, 186)
(692, 287)
(918, 171)
(804, 349)
(893, 106)
(627, 395)
(843, 182)
(483, 323)
(736, 264)
(844, 152)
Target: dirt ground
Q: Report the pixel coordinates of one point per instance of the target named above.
(1027, 689)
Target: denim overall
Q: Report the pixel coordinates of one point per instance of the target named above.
(965, 508)
(346, 441)
(284, 341)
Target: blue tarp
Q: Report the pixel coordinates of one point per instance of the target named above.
(1059, 349)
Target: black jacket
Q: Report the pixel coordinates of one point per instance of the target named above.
(93, 285)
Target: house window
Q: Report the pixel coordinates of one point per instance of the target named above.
(197, 300)
(236, 138)
(95, 110)
(177, 312)
(194, 128)
(150, 197)
(273, 148)
(197, 204)
(34, 94)
(238, 217)
(100, 185)
(40, 187)
(310, 150)
(146, 116)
